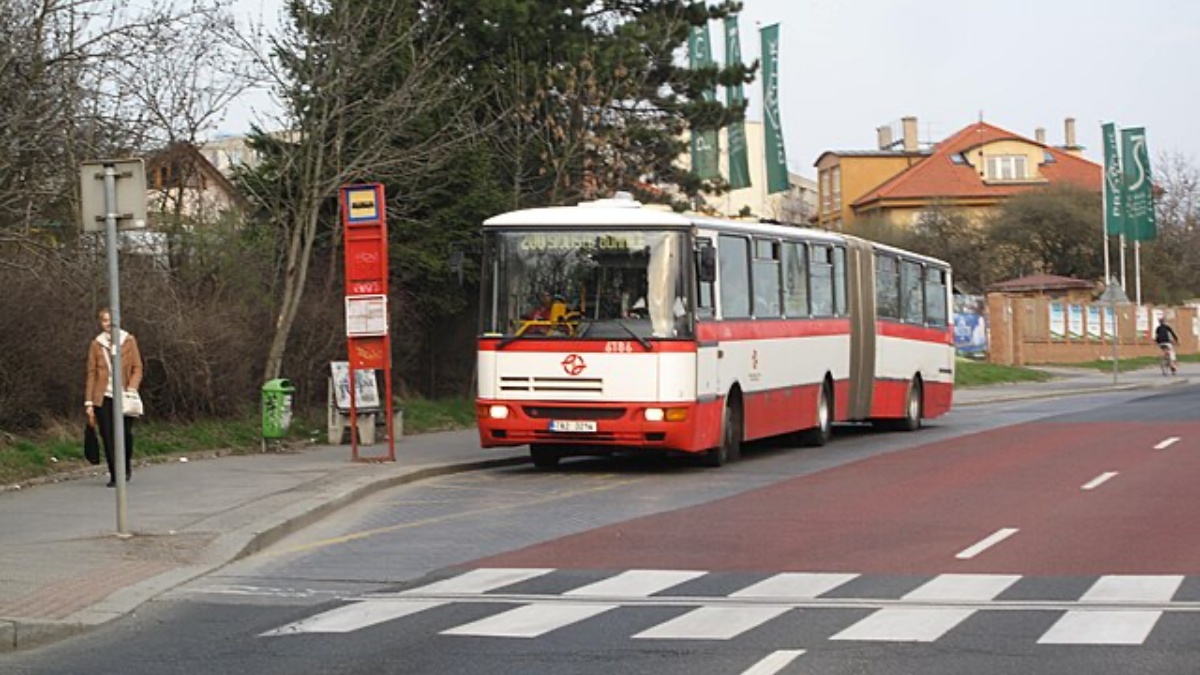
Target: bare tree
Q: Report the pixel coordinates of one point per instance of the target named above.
(369, 98)
(1171, 263)
(74, 77)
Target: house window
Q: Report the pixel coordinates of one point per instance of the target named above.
(826, 195)
(836, 180)
(1006, 167)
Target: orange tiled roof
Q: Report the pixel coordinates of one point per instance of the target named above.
(938, 176)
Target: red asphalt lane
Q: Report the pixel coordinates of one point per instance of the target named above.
(913, 511)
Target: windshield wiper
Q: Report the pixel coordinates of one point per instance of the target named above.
(641, 340)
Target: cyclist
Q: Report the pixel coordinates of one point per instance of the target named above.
(1164, 336)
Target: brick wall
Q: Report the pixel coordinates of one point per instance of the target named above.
(1020, 331)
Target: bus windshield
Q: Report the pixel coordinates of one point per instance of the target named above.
(607, 284)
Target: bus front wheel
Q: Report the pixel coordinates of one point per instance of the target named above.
(731, 437)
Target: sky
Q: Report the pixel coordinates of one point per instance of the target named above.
(850, 66)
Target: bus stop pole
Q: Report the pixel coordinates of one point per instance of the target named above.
(114, 299)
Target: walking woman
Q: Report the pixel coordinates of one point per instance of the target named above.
(99, 392)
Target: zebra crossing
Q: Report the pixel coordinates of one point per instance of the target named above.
(1113, 610)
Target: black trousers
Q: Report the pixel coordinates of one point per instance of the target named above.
(104, 417)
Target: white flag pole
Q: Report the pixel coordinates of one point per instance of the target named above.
(1137, 270)
(1124, 283)
(1104, 230)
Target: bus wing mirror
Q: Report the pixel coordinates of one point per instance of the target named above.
(708, 264)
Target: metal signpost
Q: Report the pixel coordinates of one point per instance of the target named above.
(1114, 294)
(106, 186)
(364, 228)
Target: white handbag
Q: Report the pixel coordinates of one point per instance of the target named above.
(131, 404)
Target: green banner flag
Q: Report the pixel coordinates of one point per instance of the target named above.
(777, 174)
(706, 154)
(1114, 183)
(1140, 224)
(739, 160)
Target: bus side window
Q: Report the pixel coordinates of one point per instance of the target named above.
(795, 280)
(820, 268)
(935, 297)
(839, 281)
(766, 279)
(912, 295)
(887, 287)
(733, 263)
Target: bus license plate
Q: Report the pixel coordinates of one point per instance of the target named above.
(573, 426)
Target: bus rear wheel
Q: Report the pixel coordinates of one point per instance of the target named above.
(731, 438)
(820, 434)
(913, 407)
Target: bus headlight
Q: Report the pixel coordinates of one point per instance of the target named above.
(498, 412)
(655, 414)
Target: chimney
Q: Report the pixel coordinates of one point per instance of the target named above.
(1069, 133)
(885, 136)
(910, 134)
(1039, 135)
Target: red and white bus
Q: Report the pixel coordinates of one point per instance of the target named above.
(613, 327)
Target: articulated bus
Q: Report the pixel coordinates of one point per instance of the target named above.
(613, 327)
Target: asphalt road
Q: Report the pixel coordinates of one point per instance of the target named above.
(1048, 537)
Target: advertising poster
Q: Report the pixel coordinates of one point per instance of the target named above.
(1143, 320)
(1075, 322)
(970, 333)
(1110, 323)
(970, 325)
(1093, 322)
(1058, 321)
(366, 395)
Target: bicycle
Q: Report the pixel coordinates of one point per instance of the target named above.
(1166, 361)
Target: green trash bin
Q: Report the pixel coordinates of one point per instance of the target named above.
(276, 408)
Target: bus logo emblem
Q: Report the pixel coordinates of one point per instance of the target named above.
(574, 364)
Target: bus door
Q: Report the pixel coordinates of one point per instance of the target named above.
(708, 348)
(861, 292)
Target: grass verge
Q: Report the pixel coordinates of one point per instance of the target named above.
(58, 447)
(969, 373)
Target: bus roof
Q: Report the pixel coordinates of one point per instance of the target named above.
(623, 211)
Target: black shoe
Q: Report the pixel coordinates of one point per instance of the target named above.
(112, 483)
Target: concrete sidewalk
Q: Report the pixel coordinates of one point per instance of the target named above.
(63, 569)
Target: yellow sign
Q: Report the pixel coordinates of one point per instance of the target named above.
(362, 204)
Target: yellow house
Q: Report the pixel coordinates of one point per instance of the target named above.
(971, 172)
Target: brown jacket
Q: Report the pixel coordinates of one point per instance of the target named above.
(98, 375)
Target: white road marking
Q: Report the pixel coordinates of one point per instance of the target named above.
(993, 539)
(479, 581)
(926, 624)
(1133, 588)
(1167, 443)
(1099, 480)
(905, 625)
(1101, 628)
(1114, 627)
(963, 587)
(636, 583)
(712, 623)
(530, 621)
(795, 585)
(775, 662)
(354, 617)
